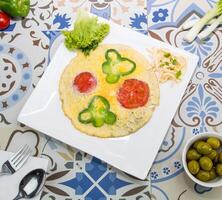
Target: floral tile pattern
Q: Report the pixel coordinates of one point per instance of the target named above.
(117, 10)
(130, 13)
(76, 175)
(26, 48)
(94, 179)
(200, 108)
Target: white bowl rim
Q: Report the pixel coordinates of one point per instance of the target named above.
(190, 141)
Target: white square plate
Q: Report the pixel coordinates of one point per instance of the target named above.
(133, 154)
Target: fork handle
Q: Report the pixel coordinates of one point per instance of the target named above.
(3, 173)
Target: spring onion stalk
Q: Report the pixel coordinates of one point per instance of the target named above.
(211, 28)
(194, 31)
(190, 24)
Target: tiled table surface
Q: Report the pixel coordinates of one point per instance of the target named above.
(26, 48)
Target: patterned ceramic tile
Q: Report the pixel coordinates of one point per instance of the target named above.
(200, 108)
(130, 13)
(170, 12)
(27, 46)
(186, 189)
(20, 71)
(40, 15)
(19, 68)
(76, 175)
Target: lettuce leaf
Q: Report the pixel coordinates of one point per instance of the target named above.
(87, 33)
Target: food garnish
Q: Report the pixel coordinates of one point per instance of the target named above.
(98, 112)
(168, 66)
(116, 66)
(15, 8)
(87, 33)
(178, 74)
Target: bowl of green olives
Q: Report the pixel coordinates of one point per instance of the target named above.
(202, 159)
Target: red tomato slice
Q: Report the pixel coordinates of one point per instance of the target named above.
(133, 93)
(85, 82)
(4, 21)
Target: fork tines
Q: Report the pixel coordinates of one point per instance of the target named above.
(20, 157)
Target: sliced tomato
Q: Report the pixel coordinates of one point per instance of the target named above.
(84, 82)
(133, 94)
(4, 21)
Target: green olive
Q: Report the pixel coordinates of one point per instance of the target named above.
(205, 163)
(220, 157)
(219, 169)
(213, 142)
(193, 167)
(204, 148)
(196, 143)
(203, 175)
(216, 159)
(192, 154)
(212, 155)
(213, 174)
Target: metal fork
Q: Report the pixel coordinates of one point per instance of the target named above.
(16, 161)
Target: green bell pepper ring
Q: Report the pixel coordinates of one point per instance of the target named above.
(98, 113)
(85, 116)
(110, 118)
(15, 8)
(116, 66)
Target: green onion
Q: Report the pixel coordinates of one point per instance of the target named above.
(167, 63)
(174, 61)
(178, 74)
(211, 28)
(167, 55)
(194, 31)
(189, 24)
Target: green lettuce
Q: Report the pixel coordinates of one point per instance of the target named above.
(87, 33)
